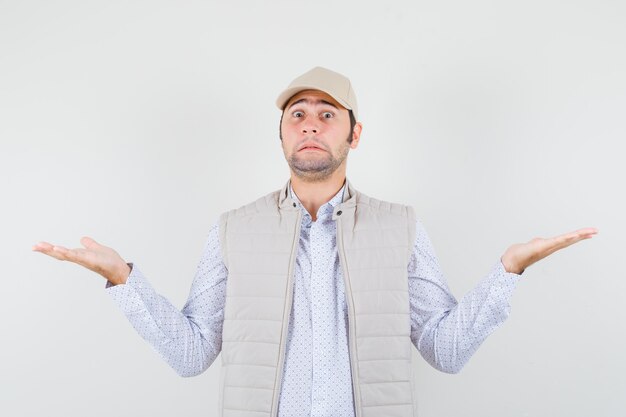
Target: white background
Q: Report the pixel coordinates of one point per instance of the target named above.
(138, 123)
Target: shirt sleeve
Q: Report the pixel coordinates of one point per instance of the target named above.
(190, 339)
(444, 331)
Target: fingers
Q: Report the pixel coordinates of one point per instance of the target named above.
(581, 233)
(575, 236)
(42, 246)
(57, 252)
(551, 245)
(77, 255)
(61, 253)
(587, 232)
(89, 243)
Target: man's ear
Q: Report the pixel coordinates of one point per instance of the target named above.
(356, 134)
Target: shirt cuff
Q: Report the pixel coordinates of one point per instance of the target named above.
(127, 296)
(510, 274)
(505, 281)
(133, 273)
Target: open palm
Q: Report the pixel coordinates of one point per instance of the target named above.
(520, 256)
(94, 256)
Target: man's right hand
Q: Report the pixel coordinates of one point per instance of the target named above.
(94, 256)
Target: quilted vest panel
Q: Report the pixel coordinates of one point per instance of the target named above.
(259, 244)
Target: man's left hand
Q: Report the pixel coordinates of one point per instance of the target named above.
(521, 255)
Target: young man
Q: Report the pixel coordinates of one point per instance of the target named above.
(314, 293)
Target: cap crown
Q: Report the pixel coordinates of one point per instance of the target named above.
(336, 85)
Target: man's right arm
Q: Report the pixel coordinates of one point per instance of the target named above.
(188, 340)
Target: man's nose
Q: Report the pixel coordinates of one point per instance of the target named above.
(310, 125)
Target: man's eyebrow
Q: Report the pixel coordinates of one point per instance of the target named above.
(305, 100)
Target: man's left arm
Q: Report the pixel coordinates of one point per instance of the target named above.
(447, 332)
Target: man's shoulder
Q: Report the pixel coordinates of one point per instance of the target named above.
(366, 202)
(265, 204)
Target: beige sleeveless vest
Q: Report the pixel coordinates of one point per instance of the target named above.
(259, 244)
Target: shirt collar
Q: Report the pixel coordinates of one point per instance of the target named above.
(327, 207)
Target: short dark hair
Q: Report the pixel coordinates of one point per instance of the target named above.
(352, 124)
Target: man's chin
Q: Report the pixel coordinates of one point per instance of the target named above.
(310, 164)
(310, 172)
(312, 177)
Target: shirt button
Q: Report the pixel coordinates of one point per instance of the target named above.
(339, 213)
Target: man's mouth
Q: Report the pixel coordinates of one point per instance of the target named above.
(311, 147)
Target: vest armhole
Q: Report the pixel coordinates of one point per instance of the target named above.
(411, 220)
(222, 234)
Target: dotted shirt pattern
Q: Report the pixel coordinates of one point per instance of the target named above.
(316, 376)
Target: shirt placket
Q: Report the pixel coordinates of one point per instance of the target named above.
(322, 308)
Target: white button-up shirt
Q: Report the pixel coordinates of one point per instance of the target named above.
(317, 378)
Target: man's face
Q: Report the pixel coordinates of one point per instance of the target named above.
(315, 135)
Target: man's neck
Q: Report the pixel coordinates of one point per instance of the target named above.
(314, 195)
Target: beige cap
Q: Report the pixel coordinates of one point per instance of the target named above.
(323, 79)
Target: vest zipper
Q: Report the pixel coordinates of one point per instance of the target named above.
(286, 318)
(351, 330)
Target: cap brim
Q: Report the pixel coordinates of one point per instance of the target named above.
(284, 97)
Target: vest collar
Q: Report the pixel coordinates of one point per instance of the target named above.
(285, 202)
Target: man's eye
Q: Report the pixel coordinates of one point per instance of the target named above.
(327, 115)
(298, 114)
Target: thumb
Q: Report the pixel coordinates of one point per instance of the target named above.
(89, 243)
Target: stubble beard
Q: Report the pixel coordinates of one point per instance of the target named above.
(317, 169)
